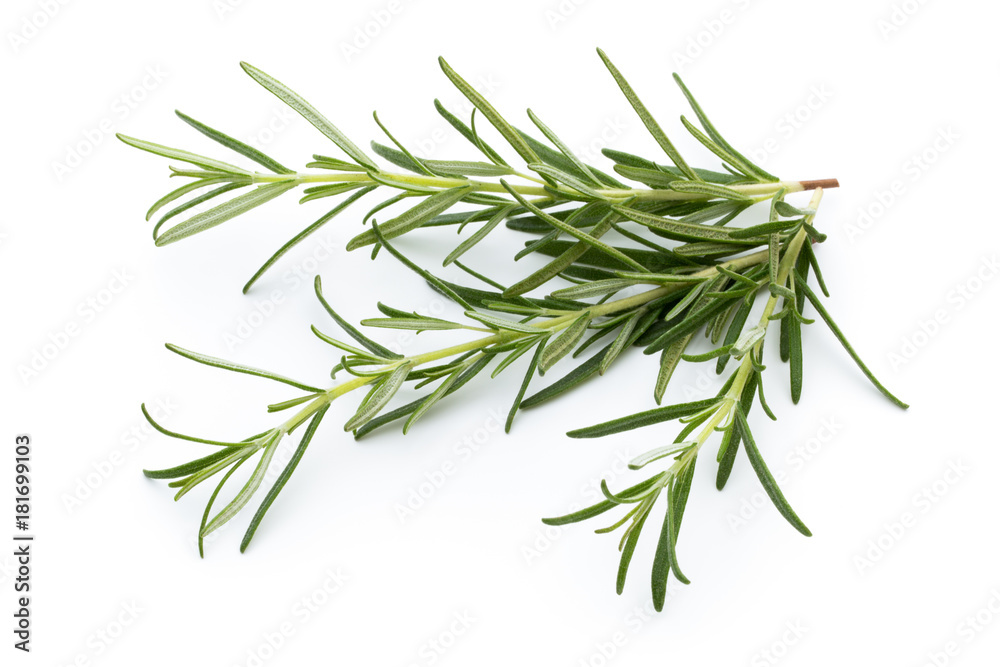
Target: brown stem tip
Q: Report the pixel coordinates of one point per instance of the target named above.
(821, 183)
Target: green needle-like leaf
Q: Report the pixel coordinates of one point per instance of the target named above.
(298, 238)
(765, 476)
(528, 375)
(307, 111)
(708, 190)
(628, 550)
(414, 217)
(383, 393)
(601, 507)
(211, 501)
(244, 495)
(367, 343)
(648, 120)
(190, 467)
(669, 359)
(479, 235)
(573, 231)
(675, 229)
(466, 132)
(814, 300)
(388, 417)
(184, 156)
(643, 419)
(718, 138)
(492, 115)
(223, 212)
(564, 343)
(239, 368)
(283, 478)
(236, 145)
(795, 357)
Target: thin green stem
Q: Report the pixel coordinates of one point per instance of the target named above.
(758, 191)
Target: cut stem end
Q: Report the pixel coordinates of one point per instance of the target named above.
(821, 183)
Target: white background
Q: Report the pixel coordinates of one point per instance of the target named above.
(823, 90)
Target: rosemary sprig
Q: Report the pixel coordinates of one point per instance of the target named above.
(558, 327)
(554, 187)
(662, 318)
(693, 269)
(726, 413)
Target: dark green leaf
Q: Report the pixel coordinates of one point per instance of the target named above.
(601, 507)
(674, 228)
(414, 217)
(236, 145)
(564, 343)
(628, 549)
(528, 375)
(298, 238)
(716, 136)
(367, 343)
(764, 475)
(466, 132)
(190, 467)
(283, 477)
(814, 300)
(643, 419)
(403, 411)
(436, 282)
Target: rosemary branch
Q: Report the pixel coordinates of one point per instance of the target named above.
(554, 179)
(675, 241)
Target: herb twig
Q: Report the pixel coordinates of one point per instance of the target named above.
(646, 266)
(552, 179)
